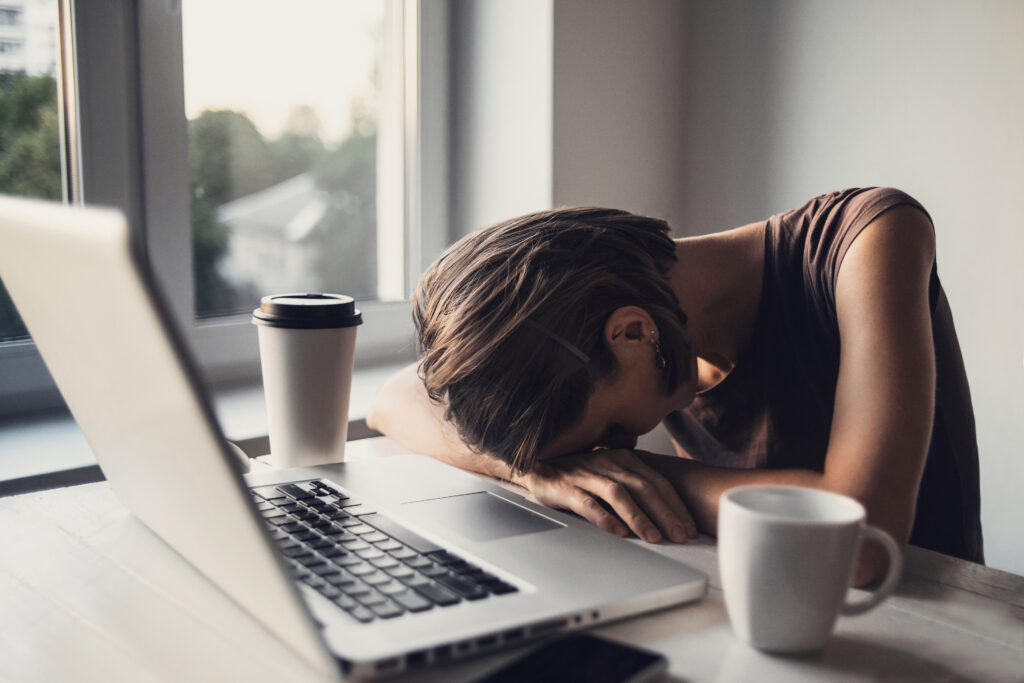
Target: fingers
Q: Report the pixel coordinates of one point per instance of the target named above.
(564, 490)
(676, 514)
(649, 491)
(636, 494)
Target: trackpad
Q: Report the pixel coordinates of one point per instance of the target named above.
(479, 516)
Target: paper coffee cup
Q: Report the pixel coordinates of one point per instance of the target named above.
(307, 347)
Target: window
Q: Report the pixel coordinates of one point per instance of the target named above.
(30, 146)
(144, 122)
(282, 132)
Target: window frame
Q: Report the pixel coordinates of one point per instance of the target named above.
(124, 66)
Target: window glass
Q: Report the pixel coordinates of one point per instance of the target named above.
(30, 156)
(282, 103)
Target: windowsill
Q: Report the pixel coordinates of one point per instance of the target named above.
(35, 446)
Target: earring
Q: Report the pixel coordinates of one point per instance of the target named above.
(659, 357)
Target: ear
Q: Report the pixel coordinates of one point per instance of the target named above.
(628, 327)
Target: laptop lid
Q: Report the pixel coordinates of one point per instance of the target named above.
(98, 319)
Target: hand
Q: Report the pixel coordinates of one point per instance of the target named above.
(638, 496)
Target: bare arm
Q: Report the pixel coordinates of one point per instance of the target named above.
(884, 403)
(402, 411)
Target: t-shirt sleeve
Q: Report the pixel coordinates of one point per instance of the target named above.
(814, 238)
(855, 213)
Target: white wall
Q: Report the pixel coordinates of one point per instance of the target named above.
(501, 110)
(619, 105)
(793, 98)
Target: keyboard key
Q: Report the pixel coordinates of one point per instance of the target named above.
(371, 597)
(400, 533)
(361, 569)
(376, 537)
(402, 553)
(463, 587)
(392, 587)
(418, 562)
(360, 529)
(325, 569)
(433, 570)
(384, 562)
(444, 557)
(414, 580)
(499, 587)
(347, 560)
(399, 571)
(269, 493)
(356, 589)
(357, 510)
(480, 576)
(463, 567)
(377, 578)
(412, 601)
(361, 614)
(369, 553)
(295, 491)
(345, 602)
(439, 595)
(342, 579)
(355, 546)
(278, 520)
(297, 552)
(387, 610)
(329, 591)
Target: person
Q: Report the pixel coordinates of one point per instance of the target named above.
(815, 348)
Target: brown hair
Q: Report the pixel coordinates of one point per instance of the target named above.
(483, 311)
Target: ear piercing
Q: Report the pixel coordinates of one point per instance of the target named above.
(659, 356)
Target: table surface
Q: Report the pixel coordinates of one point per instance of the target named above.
(87, 592)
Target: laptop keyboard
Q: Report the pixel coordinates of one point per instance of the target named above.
(367, 564)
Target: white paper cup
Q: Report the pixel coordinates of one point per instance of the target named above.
(786, 556)
(307, 347)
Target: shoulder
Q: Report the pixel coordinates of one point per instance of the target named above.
(901, 237)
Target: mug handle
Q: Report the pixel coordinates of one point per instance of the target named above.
(892, 576)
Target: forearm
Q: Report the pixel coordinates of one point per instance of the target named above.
(403, 412)
(702, 485)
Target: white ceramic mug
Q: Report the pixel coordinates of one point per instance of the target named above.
(307, 347)
(786, 556)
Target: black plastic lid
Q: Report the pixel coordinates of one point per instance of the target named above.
(307, 311)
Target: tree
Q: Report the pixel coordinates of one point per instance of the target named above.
(29, 156)
(348, 259)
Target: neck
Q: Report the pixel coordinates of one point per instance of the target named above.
(717, 279)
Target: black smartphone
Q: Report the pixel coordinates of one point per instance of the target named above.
(582, 658)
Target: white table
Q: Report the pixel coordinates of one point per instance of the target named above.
(87, 593)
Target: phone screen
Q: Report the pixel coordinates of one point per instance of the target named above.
(582, 658)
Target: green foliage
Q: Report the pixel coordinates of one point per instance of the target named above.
(229, 159)
(29, 156)
(348, 259)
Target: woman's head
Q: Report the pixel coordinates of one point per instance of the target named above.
(511, 322)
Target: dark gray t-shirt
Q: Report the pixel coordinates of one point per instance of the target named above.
(774, 409)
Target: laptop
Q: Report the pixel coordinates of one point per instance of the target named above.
(365, 568)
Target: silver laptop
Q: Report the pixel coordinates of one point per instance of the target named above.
(365, 568)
